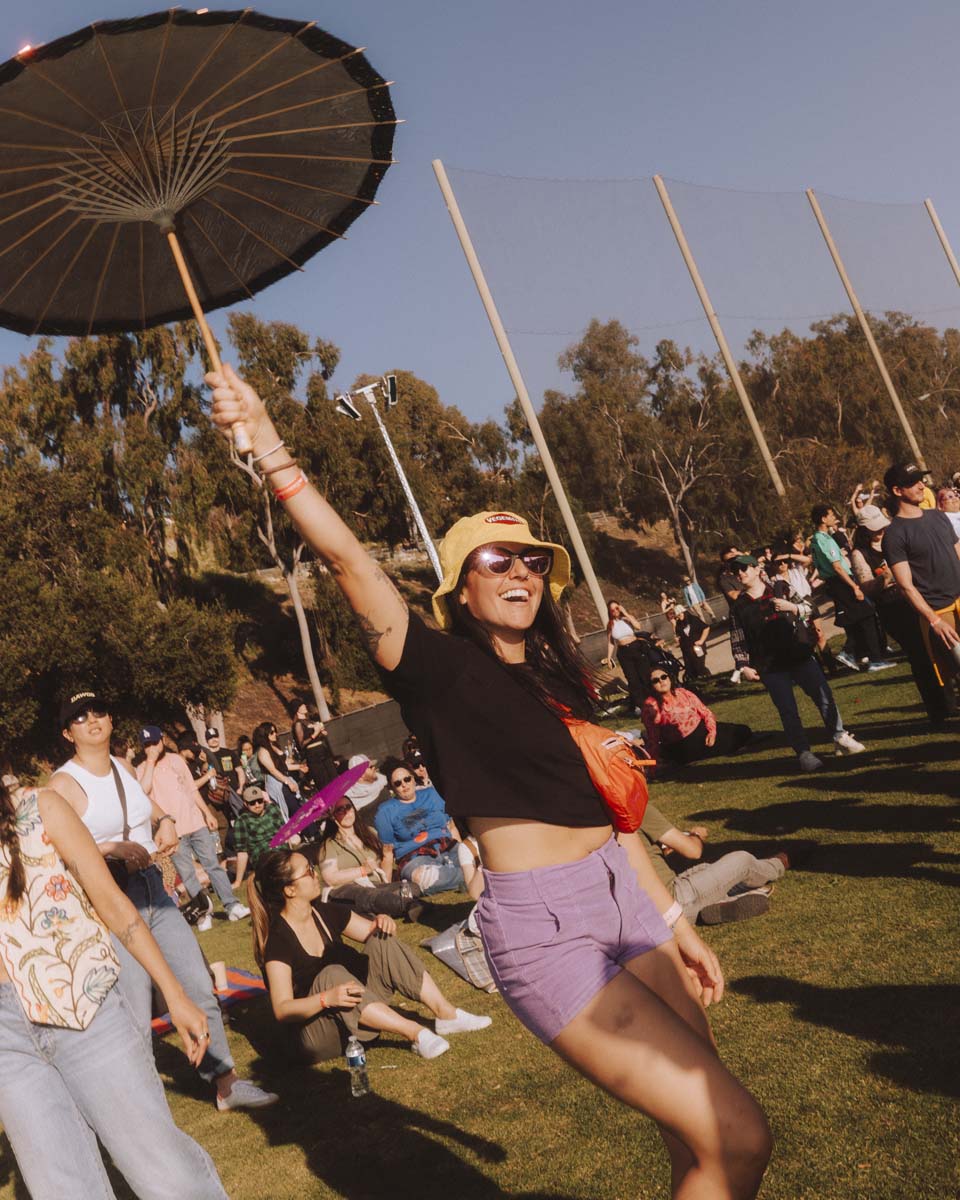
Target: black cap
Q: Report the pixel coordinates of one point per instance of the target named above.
(80, 702)
(903, 475)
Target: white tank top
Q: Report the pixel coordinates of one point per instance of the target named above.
(103, 815)
(621, 630)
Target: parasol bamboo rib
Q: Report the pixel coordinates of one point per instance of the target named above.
(253, 233)
(143, 292)
(256, 137)
(60, 147)
(240, 74)
(313, 187)
(279, 112)
(30, 207)
(35, 262)
(211, 242)
(36, 69)
(27, 187)
(103, 275)
(386, 162)
(56, 165)
(21, 114)
(69, 271)
(211, 53)
(284, 211)
(160, 59)
(282, 83)
(30, 232)
(106, 62)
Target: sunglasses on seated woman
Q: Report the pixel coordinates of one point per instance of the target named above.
(497, 560)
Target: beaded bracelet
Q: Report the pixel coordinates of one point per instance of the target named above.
(291, 489)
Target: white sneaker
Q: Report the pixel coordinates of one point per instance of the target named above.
(463, 1022)
(735, 677)
(236, 912)
(205, 924)
(881, 664)
(808, 761)
(846, 743)
(245, 1094)
(848, 661)
(430, 1045)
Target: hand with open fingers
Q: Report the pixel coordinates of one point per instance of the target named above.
(344, 995)
(191, 1023)
(701, 963)
(947, 633)
(233, 401)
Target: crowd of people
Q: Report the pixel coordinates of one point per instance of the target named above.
(588, 927)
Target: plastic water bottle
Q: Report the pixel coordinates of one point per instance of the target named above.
(406, 890)
(357, 1066)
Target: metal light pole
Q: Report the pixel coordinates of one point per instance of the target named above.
(387, 387)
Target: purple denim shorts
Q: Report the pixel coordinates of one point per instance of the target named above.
(556, 936)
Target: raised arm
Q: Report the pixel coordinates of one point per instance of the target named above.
(380, 610)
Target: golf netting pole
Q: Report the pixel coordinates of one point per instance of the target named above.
(944, 240)
(516, 378)
(717, 329)
(241, 439)
(865, 326)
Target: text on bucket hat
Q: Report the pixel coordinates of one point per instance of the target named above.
(484, 529)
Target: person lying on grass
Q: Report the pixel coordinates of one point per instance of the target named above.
(326, 991)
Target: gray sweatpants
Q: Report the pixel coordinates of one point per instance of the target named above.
(708, 883)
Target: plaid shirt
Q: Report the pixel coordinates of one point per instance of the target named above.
(252, 833)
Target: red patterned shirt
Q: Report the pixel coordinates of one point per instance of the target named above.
(681, 713)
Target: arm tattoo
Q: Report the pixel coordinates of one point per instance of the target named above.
(371, 636)
(126, 937)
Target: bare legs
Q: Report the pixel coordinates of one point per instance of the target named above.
(645, 1039)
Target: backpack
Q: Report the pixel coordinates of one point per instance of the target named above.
(615, 770)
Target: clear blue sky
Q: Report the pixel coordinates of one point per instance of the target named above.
(856, 98)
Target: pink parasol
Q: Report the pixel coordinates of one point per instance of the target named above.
(319, 804)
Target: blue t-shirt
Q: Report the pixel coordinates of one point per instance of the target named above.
(409, 826)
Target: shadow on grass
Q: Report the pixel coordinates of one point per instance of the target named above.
(851, 814)
(919, 1022)
(370, 1147)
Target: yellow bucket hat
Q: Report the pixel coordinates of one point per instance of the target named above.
(482, 529)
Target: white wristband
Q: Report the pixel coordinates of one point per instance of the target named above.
(673, 914)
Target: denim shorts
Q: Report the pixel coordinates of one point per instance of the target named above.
(556, 936)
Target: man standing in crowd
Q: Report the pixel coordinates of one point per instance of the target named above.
(855, 614)
(921, 548)
(783, 654)
(167, 781)
(694, 598)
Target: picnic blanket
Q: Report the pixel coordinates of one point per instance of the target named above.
(241, 985)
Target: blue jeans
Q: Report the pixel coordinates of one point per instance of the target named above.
(202, 844)
(276, 794)
(61, 1089)
(813, 681)
(179, 946)
(445, 875)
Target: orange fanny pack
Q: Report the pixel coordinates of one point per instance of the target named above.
(616, 772)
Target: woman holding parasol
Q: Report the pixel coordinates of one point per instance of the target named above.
(580, 952)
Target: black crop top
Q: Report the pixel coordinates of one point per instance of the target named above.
(492, 748)
(284, 946)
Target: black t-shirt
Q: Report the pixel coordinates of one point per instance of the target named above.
(927, 544)
(284, 946)
(771, 637)
(493, 749)
(689, 627)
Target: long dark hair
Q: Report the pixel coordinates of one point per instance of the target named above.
(653, 693)
(366, 833)
(553, 663)
(266, 896)
(261, 741)
(17, 877)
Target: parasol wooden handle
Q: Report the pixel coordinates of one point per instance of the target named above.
(241, 439)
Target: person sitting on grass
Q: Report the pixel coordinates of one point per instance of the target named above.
(428, 848)
(326, 991)
(680, 729)
(254, 828)
(704, 890)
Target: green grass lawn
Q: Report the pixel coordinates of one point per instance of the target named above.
(840, 1014)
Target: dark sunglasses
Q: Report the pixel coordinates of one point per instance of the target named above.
(341, 809)
(658, 678)
(496, 560)
(399, 782)
(81, 718)
(254, 803)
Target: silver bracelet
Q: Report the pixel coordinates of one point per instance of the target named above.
(261, 457)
